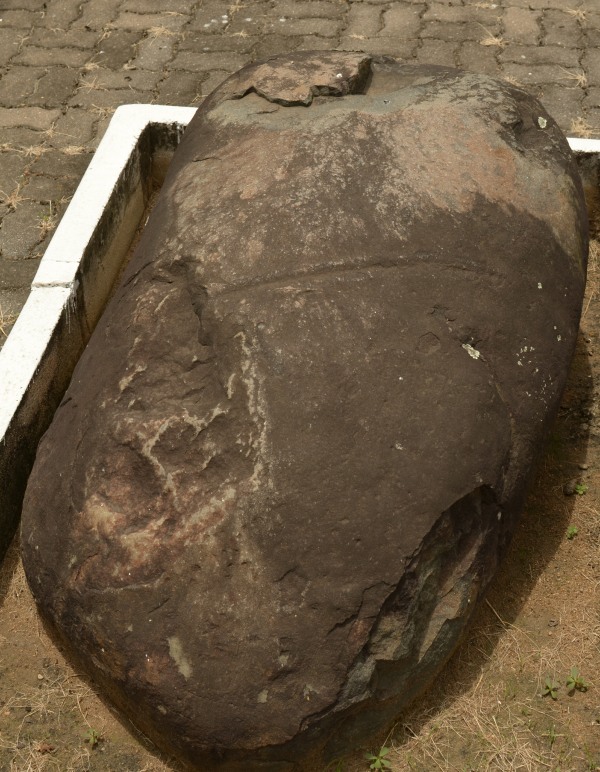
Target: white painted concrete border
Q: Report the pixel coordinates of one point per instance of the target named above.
(579, 145)
(56, 277)
(40, 352)
(28, 380)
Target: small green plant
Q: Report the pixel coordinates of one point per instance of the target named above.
(378, 760)
(550, 688)
(552, 735)
(572, 532)
(93, 737)
(575, 681)
(337, 765)
(581, 488)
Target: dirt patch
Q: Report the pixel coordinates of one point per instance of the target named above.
(539, 626)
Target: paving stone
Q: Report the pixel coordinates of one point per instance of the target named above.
(591, 100)
(101, 127)
(440, 52)
(463, 13)
(192, 62)
(18, 83)
(401, 21)
(9, 44)
(102, 100)
(591, 63)
(252, 25)
(147, 21)
(458, 32)
(28, 5)
(118, 47)
(213, 16)
(136, 79)
(593, 120)
(54, 87)
(364, 20)
(204, 44)
(15, 275)
(19, 17)
(566, 57)
(155, 6)
(21, 137)
(60, 38)
(302, 9)
(153, 53)
(44, 189)
(12, 166)
(29, 117)
(97, 15)
(592, 38)
(210, 83)
(531, 74)
(561, 29)
(73, 129)
(327, 28)
(536, 5)
(38, 56)
(563, 104)
(477, 58)
(72, 166)
(179, 88)
(315, 43)
(522, 25)
(61, 13)
(270, 45)
(11, 302)
(401, 49)
(20, 232)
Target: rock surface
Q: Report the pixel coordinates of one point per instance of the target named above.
(298, 442)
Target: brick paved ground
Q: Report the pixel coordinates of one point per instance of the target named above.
(65, 65)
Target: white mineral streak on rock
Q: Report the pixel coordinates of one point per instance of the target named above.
(127, 379)
(472, 352)
(252, 380)
(214, 504)
(178, 657)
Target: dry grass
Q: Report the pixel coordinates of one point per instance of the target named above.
(102, 112)
(578, 13)
(592, 274)
(6, 321)
(581, 128)
(513, 81)
(155, 32)
(35, 151)
(47, 223)
(74, 150)
(12, 200)
(491, 39)
(237, 6)
(90, 66)
(501, 722)
(580, 78)
(89, 84)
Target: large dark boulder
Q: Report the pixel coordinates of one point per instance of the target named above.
(298, 442)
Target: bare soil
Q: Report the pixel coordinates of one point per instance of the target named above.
(487, 711)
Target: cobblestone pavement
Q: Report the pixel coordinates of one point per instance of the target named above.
(65, 65)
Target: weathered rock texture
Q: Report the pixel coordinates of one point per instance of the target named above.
(297, 444)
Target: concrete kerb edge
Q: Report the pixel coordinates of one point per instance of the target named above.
(53, 298)
(26, 345)
(39, 354)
